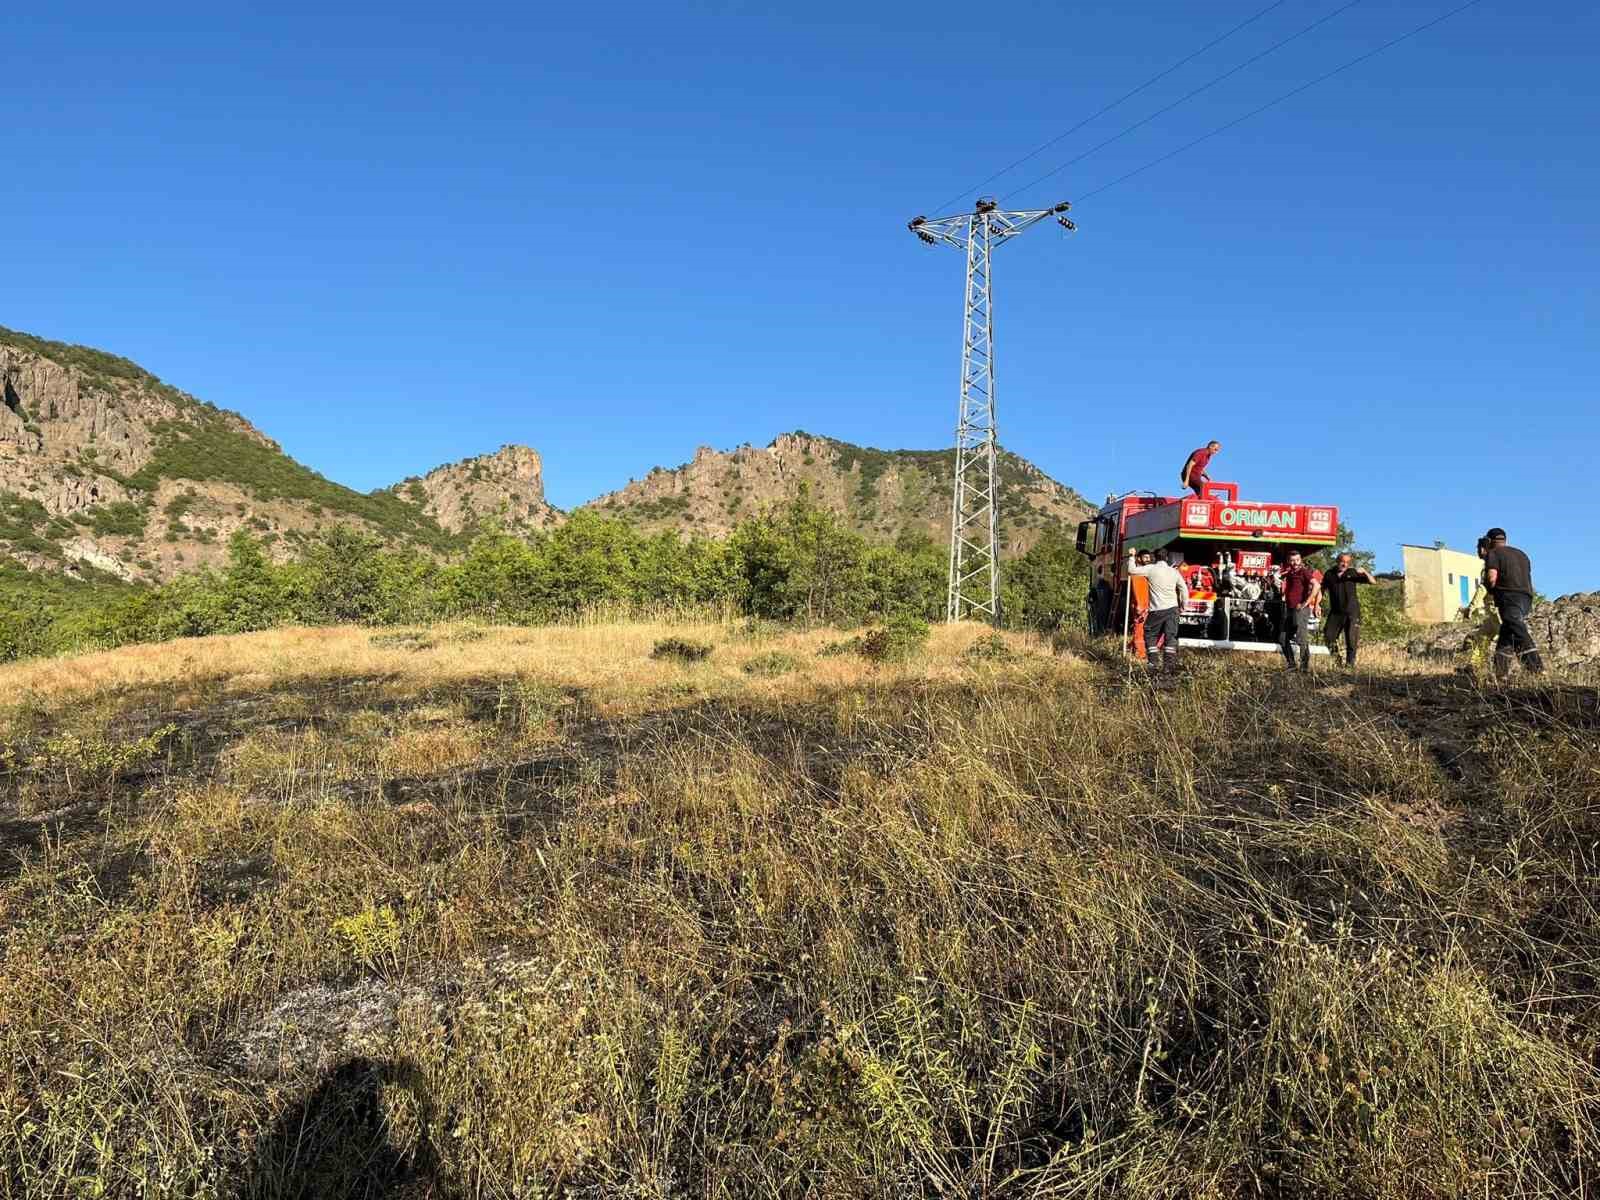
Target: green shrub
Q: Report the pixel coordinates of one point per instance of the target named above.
(896, 640)
(403, 639)
(682, 649)
(991, 647)
(772, 663)
(850, 645)
(121, 519)
(22, 522)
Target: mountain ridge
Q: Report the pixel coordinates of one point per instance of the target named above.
(108, 471)
(883, 494)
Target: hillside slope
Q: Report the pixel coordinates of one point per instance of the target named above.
(882, 493)
(105, 469)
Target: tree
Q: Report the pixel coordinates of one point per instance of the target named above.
(1344, 543)
(251, 592)
(1046, 586)
(338, 577)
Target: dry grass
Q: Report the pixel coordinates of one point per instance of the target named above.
(519, 912)
(612, 662)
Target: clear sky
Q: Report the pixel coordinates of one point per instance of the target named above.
(397, 235)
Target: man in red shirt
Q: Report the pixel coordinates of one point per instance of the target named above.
(1194, 474)
(1301, 593)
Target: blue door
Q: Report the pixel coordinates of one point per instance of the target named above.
(1466, 594)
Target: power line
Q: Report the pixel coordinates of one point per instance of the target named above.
(1361, 58)
(1217, 41)
(1228, 74)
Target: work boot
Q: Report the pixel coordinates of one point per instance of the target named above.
(1502, 665)
(1532, 662)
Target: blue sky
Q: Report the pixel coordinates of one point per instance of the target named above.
(397, 235)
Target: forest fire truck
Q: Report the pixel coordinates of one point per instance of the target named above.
(1231, 554)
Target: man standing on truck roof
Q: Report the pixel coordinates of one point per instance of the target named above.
(1510, 579)
(1194, 475)
(1300, 595)
(1344, 606)
(1168, 595)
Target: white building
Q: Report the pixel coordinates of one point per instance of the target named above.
(1442, 584)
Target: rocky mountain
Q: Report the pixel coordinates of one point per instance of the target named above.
(106, 470)
(882, 493)
(507, 486)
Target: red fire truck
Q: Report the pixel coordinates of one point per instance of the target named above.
(1231, 553)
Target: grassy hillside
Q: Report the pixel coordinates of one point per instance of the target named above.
(210, 450)
(465, 911)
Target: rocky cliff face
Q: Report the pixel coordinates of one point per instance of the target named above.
(881, 493)
(105, 469)
(506, 486)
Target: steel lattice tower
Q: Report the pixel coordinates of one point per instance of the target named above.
(974, 518)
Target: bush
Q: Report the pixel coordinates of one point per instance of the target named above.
(896, 640)
(121, 519)
(771, 664)
(991, 647)
(402, 639)
(682, 649)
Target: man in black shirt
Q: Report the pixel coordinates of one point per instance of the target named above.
(1509, 577)
(1344, 606)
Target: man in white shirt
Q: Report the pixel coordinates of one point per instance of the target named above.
(1168, 595)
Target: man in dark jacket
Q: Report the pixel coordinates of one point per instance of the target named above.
(1509, 577)
(1344, 606)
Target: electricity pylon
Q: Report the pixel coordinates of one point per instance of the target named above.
(974, 526)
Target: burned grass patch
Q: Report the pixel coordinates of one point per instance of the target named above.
(1017, 930)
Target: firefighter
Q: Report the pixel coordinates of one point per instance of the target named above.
(1509, 576)
(1168, 594)
(1193, 475)
(1139, 605)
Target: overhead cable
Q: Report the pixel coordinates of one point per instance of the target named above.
(1209, 84)
(1217, 41)
(1361, 58)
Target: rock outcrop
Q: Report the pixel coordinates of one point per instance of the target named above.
(881, 493)
(1567, 631)
(506, 486)
(105, 469)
